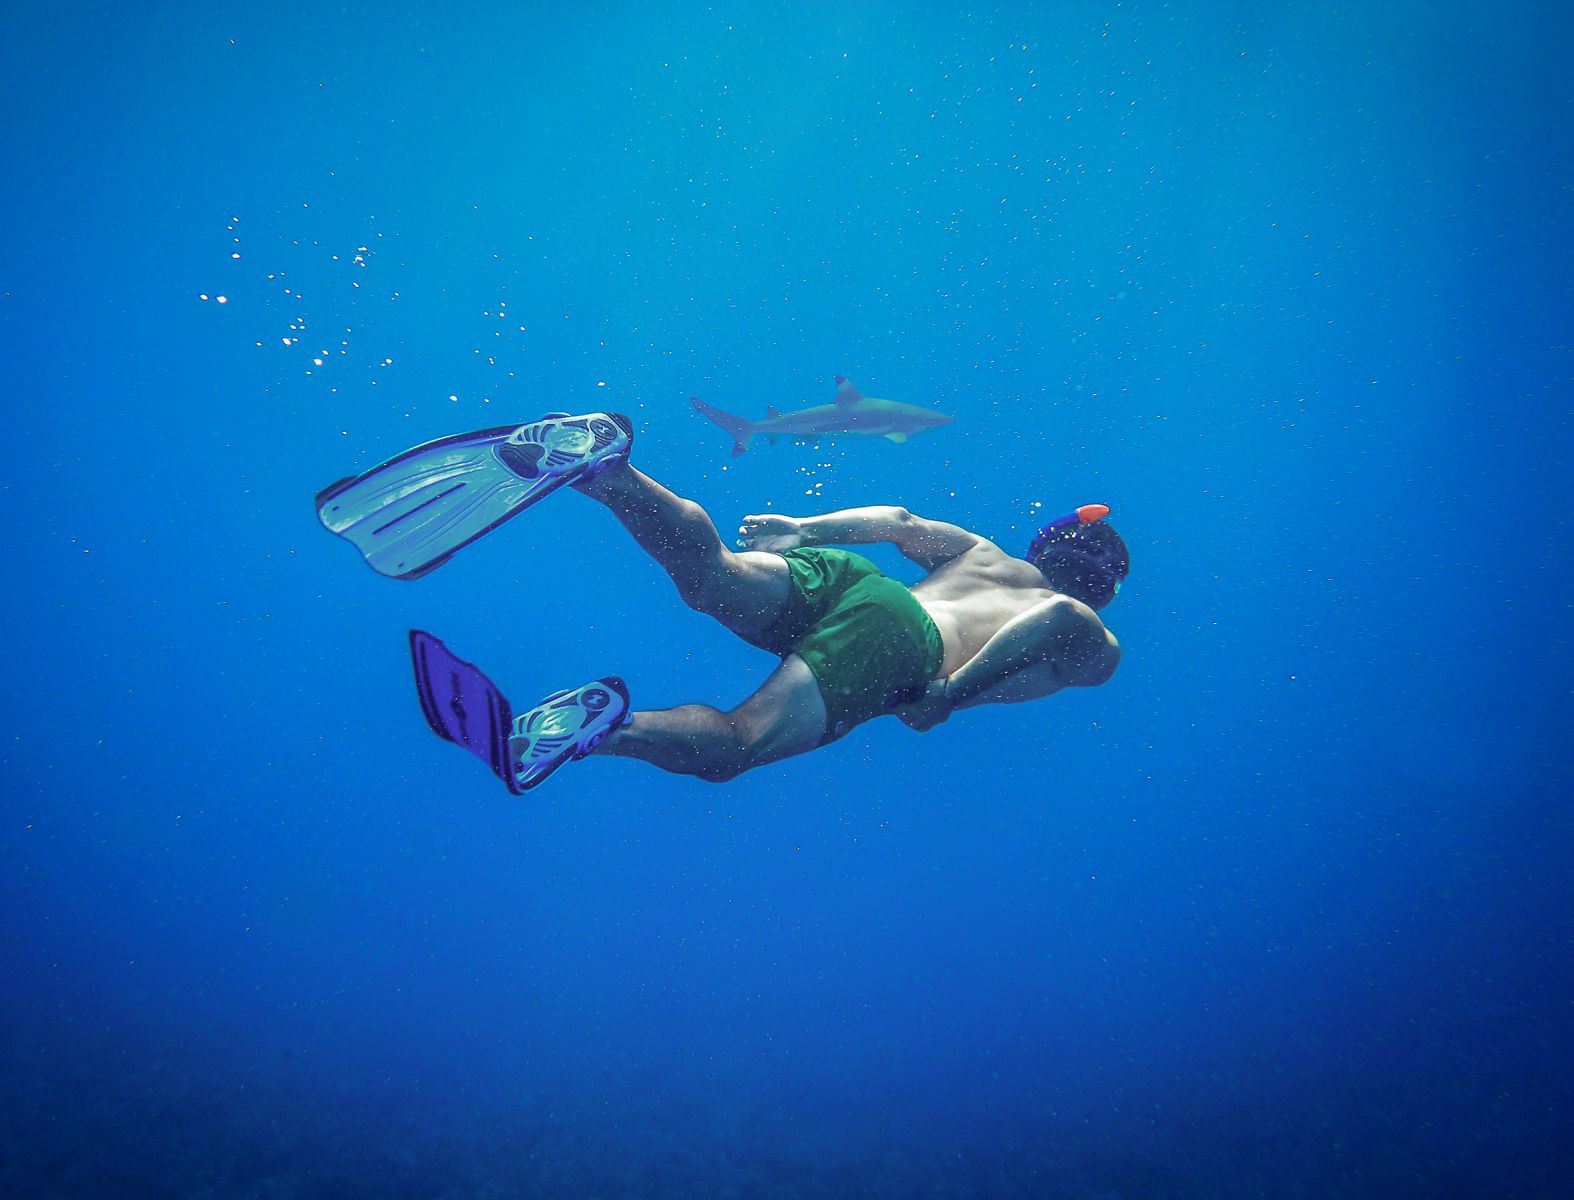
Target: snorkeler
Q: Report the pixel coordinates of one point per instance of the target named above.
(981, 627)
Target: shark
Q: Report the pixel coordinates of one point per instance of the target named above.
(850, 412)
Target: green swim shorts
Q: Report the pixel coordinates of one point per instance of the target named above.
(865, 638)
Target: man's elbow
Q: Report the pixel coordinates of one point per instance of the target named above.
(1105, 666)
(1087, 649)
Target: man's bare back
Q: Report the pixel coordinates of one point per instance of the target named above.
(971, 598)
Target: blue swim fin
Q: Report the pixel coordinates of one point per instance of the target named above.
(414, 512)
(466, 708)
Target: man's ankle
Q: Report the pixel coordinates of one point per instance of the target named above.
(607, 480)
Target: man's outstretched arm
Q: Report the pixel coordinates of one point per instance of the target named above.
(927, 543)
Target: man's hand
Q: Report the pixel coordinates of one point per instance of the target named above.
(928, 710)
(771, 532)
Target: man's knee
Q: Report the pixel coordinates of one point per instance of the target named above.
(707, 585)
(727, 757)
(721, 772)
(758, 739)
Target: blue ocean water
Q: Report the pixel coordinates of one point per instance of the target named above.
(1283, 910)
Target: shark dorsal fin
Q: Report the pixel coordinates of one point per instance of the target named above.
(846, 393)
(772, 412)
(896, 436)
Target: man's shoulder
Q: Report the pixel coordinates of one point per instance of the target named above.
(989, 559)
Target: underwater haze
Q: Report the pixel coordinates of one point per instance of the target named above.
(1283, 910)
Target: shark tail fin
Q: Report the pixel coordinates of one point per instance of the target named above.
(741, 428)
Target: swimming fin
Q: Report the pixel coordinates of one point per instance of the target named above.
(462, 705)
(414, 512)
(466, 708)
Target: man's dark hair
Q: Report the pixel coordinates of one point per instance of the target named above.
(1085, 562)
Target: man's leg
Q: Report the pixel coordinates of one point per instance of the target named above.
(744, 591)
(785, 717)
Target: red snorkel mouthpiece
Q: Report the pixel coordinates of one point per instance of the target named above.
(1085, 515)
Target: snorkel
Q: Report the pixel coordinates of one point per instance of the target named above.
(1085, 515)
(1084, 563)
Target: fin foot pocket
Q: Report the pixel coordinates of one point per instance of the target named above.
(563, 728)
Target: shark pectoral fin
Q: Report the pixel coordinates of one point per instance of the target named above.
(897, 436)
(846, 393)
